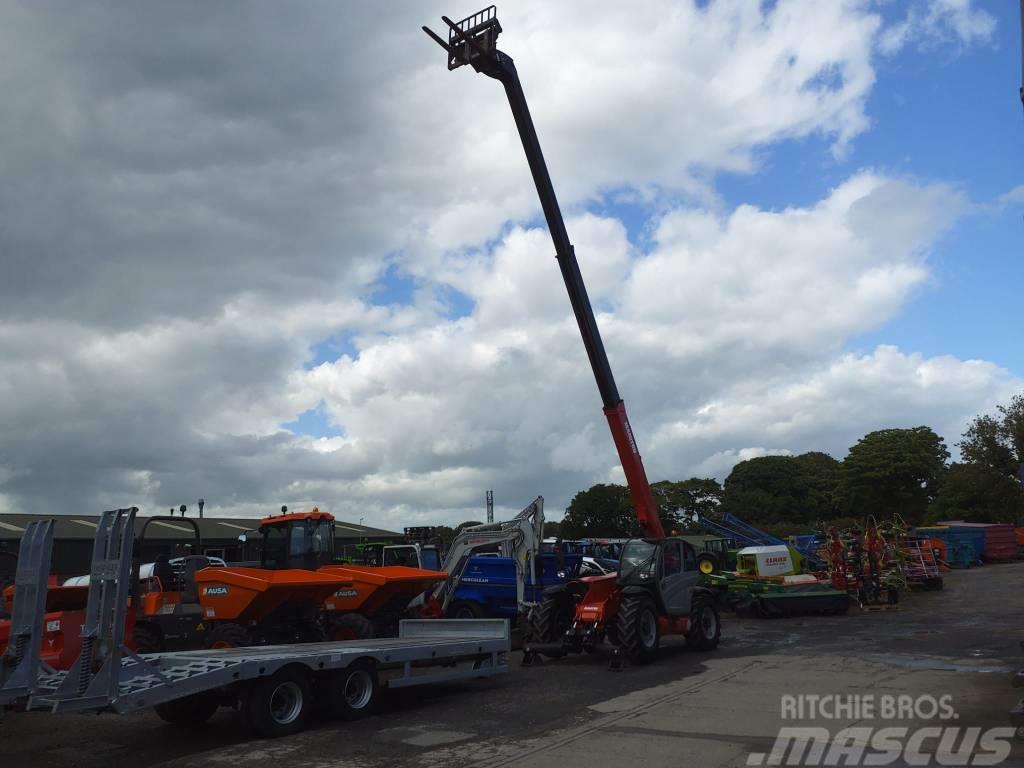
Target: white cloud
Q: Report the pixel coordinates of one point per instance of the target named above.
(196, 196)
(936, 22)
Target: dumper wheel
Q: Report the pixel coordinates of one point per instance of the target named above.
(147, 639)
(278, 705)
(637, 628)
(353, 691)
(188, 711)
(550, 619)
(705, 626)
(351, 626)
(228, 636)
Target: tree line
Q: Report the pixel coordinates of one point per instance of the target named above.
(889, 471)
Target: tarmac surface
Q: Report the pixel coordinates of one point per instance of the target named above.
(717, 709)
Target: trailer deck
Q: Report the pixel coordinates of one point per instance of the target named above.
(426, 651)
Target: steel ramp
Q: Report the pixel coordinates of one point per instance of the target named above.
(94, 679)
(19, 664)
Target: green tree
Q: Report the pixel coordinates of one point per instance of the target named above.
(678, 503)
(783, 490)
(997, 441)
(977, 493)
(892, 471)
(602, 510)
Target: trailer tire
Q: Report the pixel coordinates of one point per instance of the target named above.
(228, 635)
(637, 628)
(353, 692)
(279, 705)
(189, 711)
(147, 639)
(465, 609)
(549, 620)
(705, 626)
(351, 626)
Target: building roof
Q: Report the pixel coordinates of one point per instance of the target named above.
(210, 528)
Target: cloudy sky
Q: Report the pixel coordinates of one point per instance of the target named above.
(276, 253)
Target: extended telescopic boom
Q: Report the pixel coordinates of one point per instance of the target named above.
(473, 41)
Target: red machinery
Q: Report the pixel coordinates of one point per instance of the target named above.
(655, 591)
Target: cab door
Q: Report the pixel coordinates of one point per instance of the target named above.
(673, 593)
(679, 575)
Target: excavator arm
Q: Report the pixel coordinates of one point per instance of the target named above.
(519, 538)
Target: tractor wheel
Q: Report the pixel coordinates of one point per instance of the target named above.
(707, 563)
(227, 636)
(353, 691)
(465, 609)
(550, 619)
(147, 639)
(189, 711)
(637, 628)
(705, 626)
(279, 705)
(351, 626)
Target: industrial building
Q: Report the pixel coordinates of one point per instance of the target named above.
(74, 534)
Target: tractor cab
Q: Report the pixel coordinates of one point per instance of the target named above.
(666, 568)
(299, 540)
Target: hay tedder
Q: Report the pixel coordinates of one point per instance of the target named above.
(874, 563)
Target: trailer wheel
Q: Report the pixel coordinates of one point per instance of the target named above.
(278, 705)
(637, 629)
(189, 711)
(464, 609)
(351, 626)
(147, 639)
(227, 635)
(353, 691)
(705, 626)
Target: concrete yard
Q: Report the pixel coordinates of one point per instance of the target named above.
(687, 709)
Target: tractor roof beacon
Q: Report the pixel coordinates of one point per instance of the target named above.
(655, 592)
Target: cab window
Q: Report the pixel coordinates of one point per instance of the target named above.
(672, 562)
(689, 557)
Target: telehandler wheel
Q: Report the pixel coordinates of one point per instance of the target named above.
(353, 692)
(227, 636)
(707, 563)
(465, 609)
(550, 619)
(705, 626)
(637, 628)
(350, 626)
(147, 639)
(278, 705)
(188, 711)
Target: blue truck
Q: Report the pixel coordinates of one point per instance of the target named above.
(487, 588)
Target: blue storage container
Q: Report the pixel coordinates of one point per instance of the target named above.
(963, 545)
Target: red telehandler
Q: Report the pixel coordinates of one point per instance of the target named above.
(655, 592)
